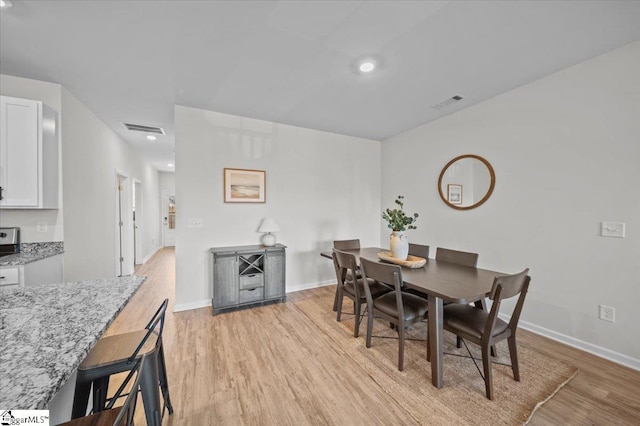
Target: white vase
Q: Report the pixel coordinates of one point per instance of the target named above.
(399, 245)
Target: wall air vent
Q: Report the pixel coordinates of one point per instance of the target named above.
(448, 102)
(144, 128)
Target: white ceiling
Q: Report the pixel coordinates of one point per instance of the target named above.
(292, 62)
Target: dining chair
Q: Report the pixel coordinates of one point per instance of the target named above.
(485, 329)
(118, 353)
(419, 250)
(458, 257)
(346, 244)
(462, 258)
(422, 251)
(353, 289)
(398, 307)
(117, 416)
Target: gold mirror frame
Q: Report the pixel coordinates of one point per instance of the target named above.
(486, 196)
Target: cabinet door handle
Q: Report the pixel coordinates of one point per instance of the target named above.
(2, 278)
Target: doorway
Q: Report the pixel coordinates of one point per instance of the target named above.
(168, 218)
(137, 217)
(124, 227)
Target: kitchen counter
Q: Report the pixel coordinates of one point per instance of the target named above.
(31, 252)
(46, 331)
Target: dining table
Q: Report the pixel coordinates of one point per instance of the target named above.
(442, 282)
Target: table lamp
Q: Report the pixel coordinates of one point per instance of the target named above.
(268, 225)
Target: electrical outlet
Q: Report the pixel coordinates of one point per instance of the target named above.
(42, 226)
(607, 313)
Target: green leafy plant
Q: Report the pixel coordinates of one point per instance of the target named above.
(397, 220)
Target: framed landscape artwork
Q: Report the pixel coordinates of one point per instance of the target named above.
(244, 186)
(454, 194)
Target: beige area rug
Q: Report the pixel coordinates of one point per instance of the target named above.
(462, 400)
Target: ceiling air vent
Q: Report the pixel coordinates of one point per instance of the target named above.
(144, 128)
(448, 102)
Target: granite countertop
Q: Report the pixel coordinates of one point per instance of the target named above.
(46, 331)
(31, 252)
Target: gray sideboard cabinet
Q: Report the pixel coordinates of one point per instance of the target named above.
(245, 276)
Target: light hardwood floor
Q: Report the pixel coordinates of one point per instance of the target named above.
(268, 365)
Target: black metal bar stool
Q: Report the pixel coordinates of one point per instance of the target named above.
(116, 416)
(118, 353)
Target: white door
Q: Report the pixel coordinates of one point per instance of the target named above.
(168, 218)
(137, 222)
(124, 226)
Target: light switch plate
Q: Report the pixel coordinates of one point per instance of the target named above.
(612, 229)
(195, 222)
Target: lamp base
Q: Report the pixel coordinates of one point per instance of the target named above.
(269, 240)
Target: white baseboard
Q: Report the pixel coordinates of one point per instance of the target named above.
(308, 286)
(205, 303)
(150, 255)
(192, 305)
(605, 353)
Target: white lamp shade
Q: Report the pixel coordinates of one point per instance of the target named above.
(268, 225)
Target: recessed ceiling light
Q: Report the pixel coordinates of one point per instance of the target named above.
(6, 3)
(170, 164)
(151, 137)
(367, 65)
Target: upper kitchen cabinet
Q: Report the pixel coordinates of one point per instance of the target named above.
(28, 155)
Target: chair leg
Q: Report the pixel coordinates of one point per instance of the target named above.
(357, 307)
(339, 308)
(458, 342)
(486, 363)
(100, 388)
(401, 330)
(513, 353)
(80, 396)
(428, 348)
(164, 383)
(369, 326)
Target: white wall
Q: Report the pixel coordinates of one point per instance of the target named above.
(50, 95)
(567, 156)
(91, 153)
(320, 187)
(167, 180)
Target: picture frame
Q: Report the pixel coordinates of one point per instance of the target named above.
(454, 193)
(244, 186)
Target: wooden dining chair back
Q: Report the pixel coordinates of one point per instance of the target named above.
(345, 265)
(422, 251)
(458, 257)
(346, 244)
(397, 307)
(419, 250)
(485, 329)
(124, 414)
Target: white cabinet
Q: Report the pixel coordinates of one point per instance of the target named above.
(44, 271)
(28, 155)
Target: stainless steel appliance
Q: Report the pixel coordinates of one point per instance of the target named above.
(9, 241)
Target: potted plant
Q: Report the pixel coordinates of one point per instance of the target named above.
(399, 222)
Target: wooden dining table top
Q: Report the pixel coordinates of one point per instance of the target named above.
(449, 281)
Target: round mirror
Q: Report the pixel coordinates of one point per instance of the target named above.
(466, 182)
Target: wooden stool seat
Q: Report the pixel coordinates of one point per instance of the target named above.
(116, 349)
(103, 418)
